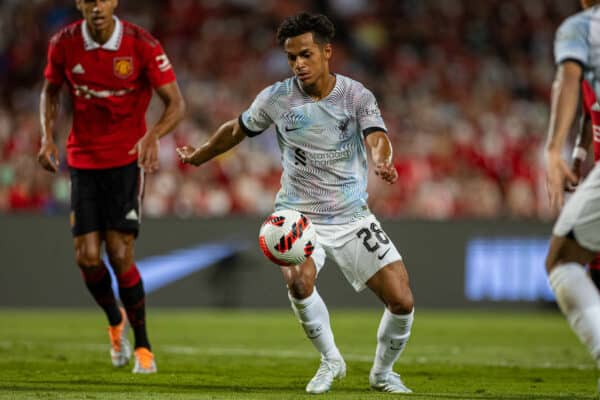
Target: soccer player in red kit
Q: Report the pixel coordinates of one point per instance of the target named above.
(111, 68)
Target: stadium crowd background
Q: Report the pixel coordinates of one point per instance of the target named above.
(463, 85)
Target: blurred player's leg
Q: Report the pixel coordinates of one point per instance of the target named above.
(575, 243)
(579, 300)
(131, 290)
(391, 285)
(311, 311)
(99, 284)
(119, 247)
(575, 292)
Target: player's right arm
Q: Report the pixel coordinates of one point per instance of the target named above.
(251, 122)
(49, 102)
(226, 137)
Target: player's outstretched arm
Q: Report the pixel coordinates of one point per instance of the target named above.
(147, 146)
(381, 153)
(565, 98)
(227, 136)
(49, 101)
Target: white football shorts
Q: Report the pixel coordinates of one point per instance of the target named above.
(581, 213)
(360, 249)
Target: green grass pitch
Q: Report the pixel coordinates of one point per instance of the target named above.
(206, 354)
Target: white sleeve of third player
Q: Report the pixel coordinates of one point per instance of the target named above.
(572, 40)
(368, 113)
(256, 118)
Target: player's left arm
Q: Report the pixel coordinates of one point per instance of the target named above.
(147, 146)
(381, 154)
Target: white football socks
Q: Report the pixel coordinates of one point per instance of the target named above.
(579, 300)
(314, 317)
(392, 336)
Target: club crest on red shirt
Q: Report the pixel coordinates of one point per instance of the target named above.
(123, 67)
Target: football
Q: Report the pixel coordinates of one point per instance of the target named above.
(287, 237)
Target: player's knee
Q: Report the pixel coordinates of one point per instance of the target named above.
(120, 261)
(87, 258)
(120, 252)
(402, 304)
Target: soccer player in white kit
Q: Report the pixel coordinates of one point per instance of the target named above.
(325, 125)
(576, 234)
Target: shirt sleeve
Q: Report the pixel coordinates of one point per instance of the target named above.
(54, 71)
(256, 118)
(159, 69)
(368, 113)
(571, 41)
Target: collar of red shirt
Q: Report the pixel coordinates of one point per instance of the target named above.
(112, 44)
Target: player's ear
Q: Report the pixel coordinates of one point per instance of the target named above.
(327, 51)
(78, 4)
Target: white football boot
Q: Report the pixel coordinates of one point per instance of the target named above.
(388, 382)
(328, 371)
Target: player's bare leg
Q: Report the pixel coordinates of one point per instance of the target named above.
(391, 285)
(575, 292)
(120, 249)
(98, 281)
(312, 313)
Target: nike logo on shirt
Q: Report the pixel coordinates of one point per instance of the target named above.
(383, 255)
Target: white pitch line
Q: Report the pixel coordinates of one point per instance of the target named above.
(231, 351)
(244, 352)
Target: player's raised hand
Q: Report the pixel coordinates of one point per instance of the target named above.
(147, 150)
(48, 156)
(558, 175)
(186, 154)
(387, 172)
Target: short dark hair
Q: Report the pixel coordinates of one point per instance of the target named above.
(321, 27)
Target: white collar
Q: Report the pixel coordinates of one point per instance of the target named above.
(112, 44)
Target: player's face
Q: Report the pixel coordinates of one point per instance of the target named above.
(98, 13)
(308, 60)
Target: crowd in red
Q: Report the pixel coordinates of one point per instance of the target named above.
(463, 86)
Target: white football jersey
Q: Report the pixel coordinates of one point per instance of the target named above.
(578, 39)
(322, 146)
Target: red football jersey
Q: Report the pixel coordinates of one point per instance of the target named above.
(111, 86)
(592, 109)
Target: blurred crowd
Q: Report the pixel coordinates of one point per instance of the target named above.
(463, 85)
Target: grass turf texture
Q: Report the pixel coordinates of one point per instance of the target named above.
(203, 354)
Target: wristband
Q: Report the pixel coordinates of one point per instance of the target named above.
(579, 153)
